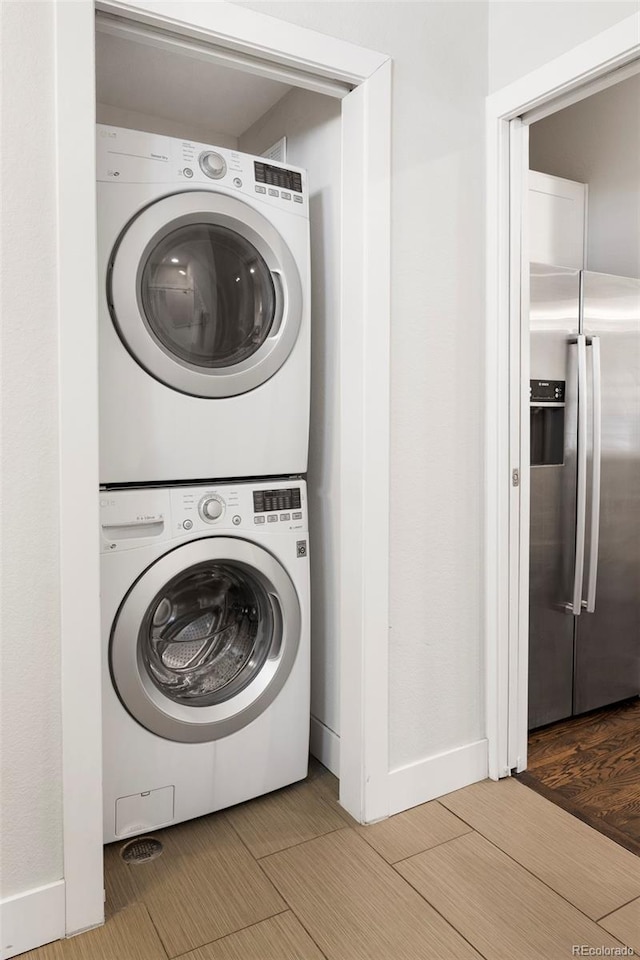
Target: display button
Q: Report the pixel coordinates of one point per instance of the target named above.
(285, 195)
(188, 172)
(285, 516)
(261, 189)
(258, 519)
(274, 193)
(187, 524)
(272, 518)
(296, 516)
(298, 199)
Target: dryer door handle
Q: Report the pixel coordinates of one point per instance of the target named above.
(281, 302)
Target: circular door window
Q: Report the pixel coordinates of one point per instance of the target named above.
(205, 639)
(207, 633)
(208, 296)
(205, 294)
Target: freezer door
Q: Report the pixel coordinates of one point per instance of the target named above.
(607, 649)
(553, 325)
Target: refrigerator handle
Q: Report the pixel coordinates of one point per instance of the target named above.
(581, 499)
(594, 343)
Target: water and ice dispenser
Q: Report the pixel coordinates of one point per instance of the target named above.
(547, 406)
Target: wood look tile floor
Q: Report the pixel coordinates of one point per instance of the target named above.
(590, 766)
(492, 871)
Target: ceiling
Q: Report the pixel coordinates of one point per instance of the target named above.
(140, 77)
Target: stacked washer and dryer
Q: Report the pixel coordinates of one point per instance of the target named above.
(204, 361)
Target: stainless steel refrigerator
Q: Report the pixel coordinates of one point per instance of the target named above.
(584, 626)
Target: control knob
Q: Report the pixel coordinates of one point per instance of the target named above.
(211, 508)
(212, 164)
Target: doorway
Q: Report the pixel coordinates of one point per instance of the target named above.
(583, 666)
(596, 66)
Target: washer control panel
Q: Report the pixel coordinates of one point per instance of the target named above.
(134, 517)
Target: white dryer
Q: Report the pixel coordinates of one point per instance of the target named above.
(203, 313)
(205, 624)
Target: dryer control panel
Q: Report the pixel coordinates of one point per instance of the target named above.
(131, 156)
(136, 516)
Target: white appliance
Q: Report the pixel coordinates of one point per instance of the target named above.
(203, 313)
(205, 624)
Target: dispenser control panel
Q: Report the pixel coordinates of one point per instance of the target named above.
(546, 391)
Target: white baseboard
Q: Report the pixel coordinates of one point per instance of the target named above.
(32, 918)
(434, 776)
(325, 745)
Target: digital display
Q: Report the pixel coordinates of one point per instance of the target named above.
(546, 391)
(267, 501)
(277, 177)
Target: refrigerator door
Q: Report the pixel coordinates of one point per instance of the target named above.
(553, 325)
(607, 648)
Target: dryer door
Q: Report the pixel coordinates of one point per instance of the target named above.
(205, 639)
(205, 294)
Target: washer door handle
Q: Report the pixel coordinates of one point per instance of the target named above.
(278, 628)
(281, 303)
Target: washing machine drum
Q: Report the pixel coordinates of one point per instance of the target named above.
(205, 640)
(205, 294)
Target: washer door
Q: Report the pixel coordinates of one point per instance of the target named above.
(205, 639)
(205, 294)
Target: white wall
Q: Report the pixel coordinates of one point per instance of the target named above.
(597, 141)
(115, 116)
(439, 83)
(31, 801)
(525, 35)
(311, 123)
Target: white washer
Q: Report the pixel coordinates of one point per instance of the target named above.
(205, 623)
(203, 313)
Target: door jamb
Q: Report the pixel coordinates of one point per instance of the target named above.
(364, 492)
(506, 507)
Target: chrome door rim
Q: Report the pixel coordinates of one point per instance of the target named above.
(127, 262)
(195, 724)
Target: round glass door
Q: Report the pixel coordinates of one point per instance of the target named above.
(205, 294)
(208, 296)
(205, 639)
(207, 634)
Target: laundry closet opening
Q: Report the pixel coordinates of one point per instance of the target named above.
(205, 100)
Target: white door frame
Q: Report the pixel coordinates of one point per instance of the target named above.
(364, 383)
(599, 62)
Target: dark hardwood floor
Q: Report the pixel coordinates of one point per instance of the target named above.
(590, 766)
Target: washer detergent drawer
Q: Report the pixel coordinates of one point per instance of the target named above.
(144, 811)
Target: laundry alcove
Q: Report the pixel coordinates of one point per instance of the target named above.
(352, 383)
(159, 85)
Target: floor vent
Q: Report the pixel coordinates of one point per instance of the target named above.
(141, 850)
